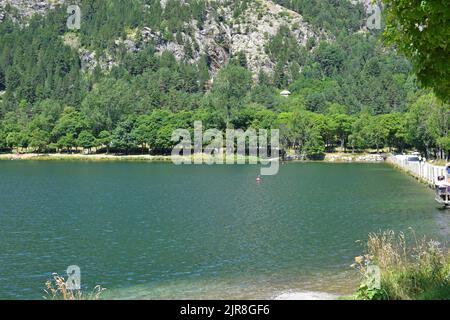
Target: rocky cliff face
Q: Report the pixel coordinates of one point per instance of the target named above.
(222, 34)
(221, 38)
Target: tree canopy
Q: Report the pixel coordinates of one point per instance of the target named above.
(421, 30)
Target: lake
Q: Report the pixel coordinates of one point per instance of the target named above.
(158, 231)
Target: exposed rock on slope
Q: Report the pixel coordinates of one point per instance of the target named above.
(223, 35)
(23, 9)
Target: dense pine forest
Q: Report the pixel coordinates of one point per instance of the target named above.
(65, 90)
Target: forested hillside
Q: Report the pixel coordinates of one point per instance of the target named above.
(137, 70)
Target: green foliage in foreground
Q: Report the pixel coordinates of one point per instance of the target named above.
(416, 271)
(420, 29)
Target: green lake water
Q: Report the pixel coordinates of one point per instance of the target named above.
(158, 231)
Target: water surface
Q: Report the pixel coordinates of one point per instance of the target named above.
(154, 230)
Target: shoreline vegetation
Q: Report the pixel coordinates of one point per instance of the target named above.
(409, 268)
(58, 289)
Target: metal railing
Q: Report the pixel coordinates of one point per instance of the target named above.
(421, 169)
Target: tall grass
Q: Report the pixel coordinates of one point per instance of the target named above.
(56, 289)
(411, 268)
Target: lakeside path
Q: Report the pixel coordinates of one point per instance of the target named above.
(331, 157)
(82, 157)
